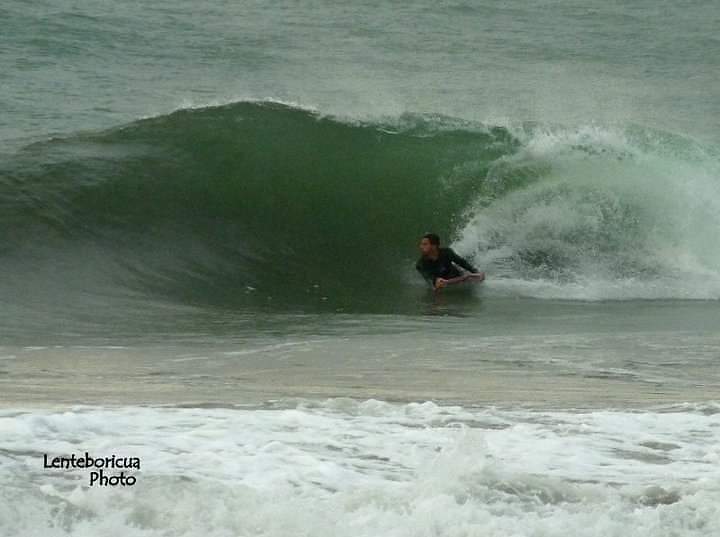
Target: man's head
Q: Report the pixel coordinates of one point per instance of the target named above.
(429, 243)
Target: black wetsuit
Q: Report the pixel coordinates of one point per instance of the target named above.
(442, 267)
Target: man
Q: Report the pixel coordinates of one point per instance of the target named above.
(439, 265)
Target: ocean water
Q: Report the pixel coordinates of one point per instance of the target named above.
(208, 225)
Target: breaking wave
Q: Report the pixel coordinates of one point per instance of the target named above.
(261, 204)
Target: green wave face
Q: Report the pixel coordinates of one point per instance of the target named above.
(246, 204)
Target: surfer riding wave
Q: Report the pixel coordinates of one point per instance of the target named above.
(439, 266)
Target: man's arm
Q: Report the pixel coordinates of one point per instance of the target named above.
(462, 262)
(428, 277)
(475, 276)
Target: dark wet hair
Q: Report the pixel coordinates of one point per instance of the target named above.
(433, 238)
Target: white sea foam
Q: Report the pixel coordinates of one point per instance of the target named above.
(367, 468)
(606, 213)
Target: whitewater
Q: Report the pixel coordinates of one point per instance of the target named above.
(373, 468)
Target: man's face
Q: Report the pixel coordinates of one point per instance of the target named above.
(426, 247)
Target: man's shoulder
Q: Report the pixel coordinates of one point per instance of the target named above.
(446, 250)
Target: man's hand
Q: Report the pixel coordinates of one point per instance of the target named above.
(440, 283)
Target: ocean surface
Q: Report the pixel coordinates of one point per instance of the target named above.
(209, 217)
